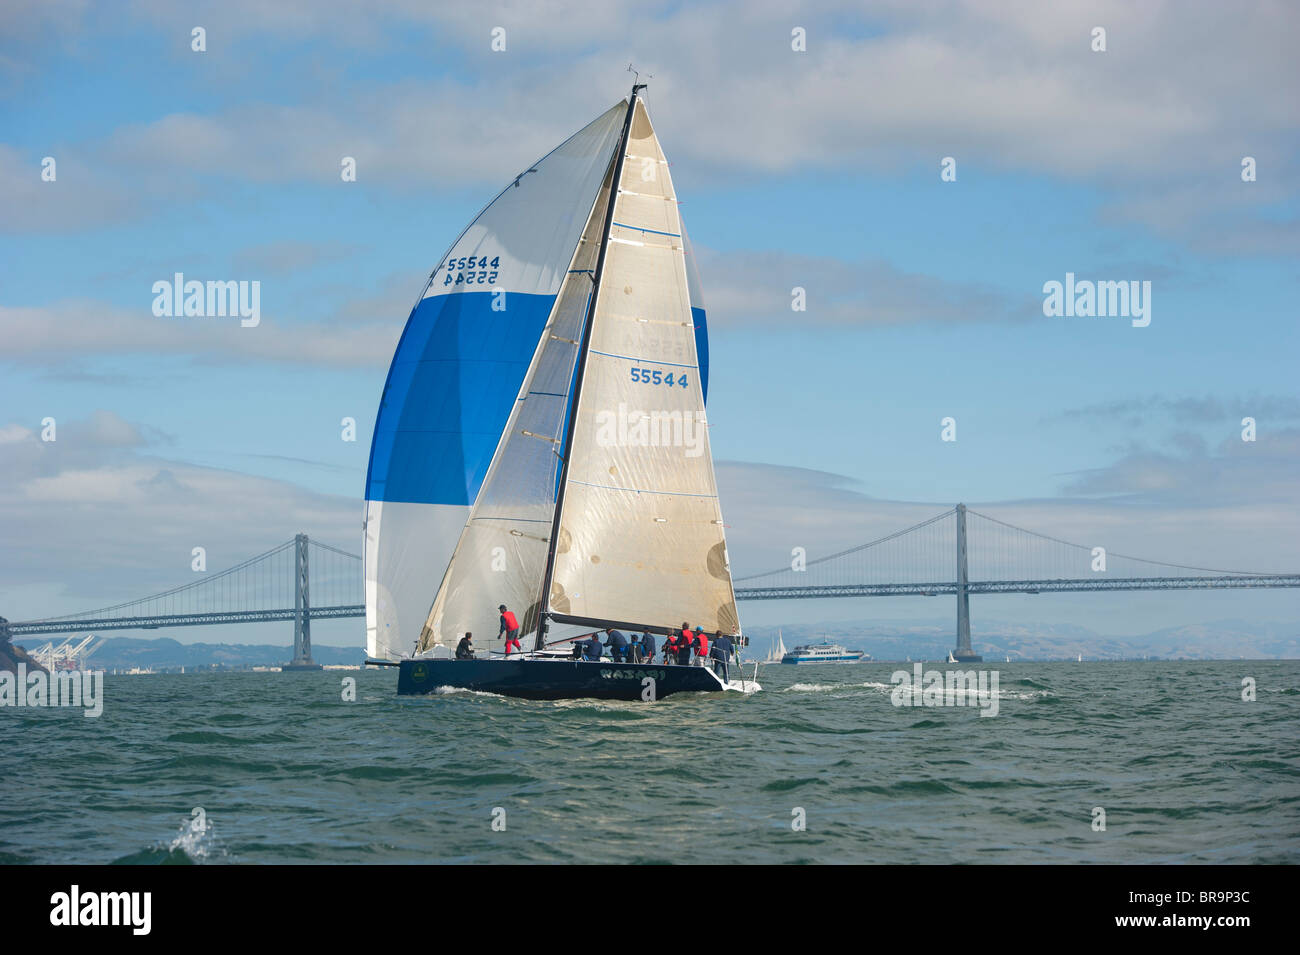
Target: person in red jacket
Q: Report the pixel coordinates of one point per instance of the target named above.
(685, 643)
(670, 647)
(510, 627)
(701, 648)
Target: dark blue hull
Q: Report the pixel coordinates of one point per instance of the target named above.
(556, 679)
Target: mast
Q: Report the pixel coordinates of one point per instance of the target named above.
(544, 614)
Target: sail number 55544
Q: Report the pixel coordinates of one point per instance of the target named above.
(472, 270)
(654, 376)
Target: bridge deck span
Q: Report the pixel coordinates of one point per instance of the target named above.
(1058, 585)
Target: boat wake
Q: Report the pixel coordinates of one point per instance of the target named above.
(464, 691)
(888, 689)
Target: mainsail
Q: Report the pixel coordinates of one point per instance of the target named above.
(506, 370)
(641, 540)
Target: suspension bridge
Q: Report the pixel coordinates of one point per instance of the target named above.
(276, 585)
(963, 552)
(958, 552)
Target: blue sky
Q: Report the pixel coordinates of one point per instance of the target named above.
(817, 169)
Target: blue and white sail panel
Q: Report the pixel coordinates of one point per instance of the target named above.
(459, 367)
(502, 551)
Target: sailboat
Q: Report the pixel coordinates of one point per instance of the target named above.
(542, 443)
(777, 651)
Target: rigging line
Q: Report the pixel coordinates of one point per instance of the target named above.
(624, 225)
(644, 361)
(638, 490)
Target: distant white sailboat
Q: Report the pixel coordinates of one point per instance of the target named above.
(951, 658)
(777, 650)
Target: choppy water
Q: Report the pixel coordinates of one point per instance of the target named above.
(285, 771)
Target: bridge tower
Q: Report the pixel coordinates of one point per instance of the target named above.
(301, 609)
(963, 652)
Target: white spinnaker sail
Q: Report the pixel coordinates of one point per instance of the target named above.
(457, 372)
(641, 538)
(502, 550)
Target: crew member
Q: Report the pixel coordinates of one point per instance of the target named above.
(510, 627)
(617, 644)
(685, 643)
(648, 646)
(722, 650)
(701, 648)
(594, 648)
(465, 649)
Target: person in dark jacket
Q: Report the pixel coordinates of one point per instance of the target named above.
(594, 648)
(721, 651)
(648, 646)
(617, 644)
(465, 649)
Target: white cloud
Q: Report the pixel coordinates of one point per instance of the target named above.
(1236, 507)
(14, 434)
(89, 522)
(752, 287)
(83, 194)
(1160, 120)
(363, 334)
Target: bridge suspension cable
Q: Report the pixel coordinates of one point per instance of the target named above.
(946, 515)
(259, 585)
(1111, 554)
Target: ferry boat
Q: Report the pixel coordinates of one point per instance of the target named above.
(824, 653)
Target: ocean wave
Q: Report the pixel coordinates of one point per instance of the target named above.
(888, 689)
(195, 843)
